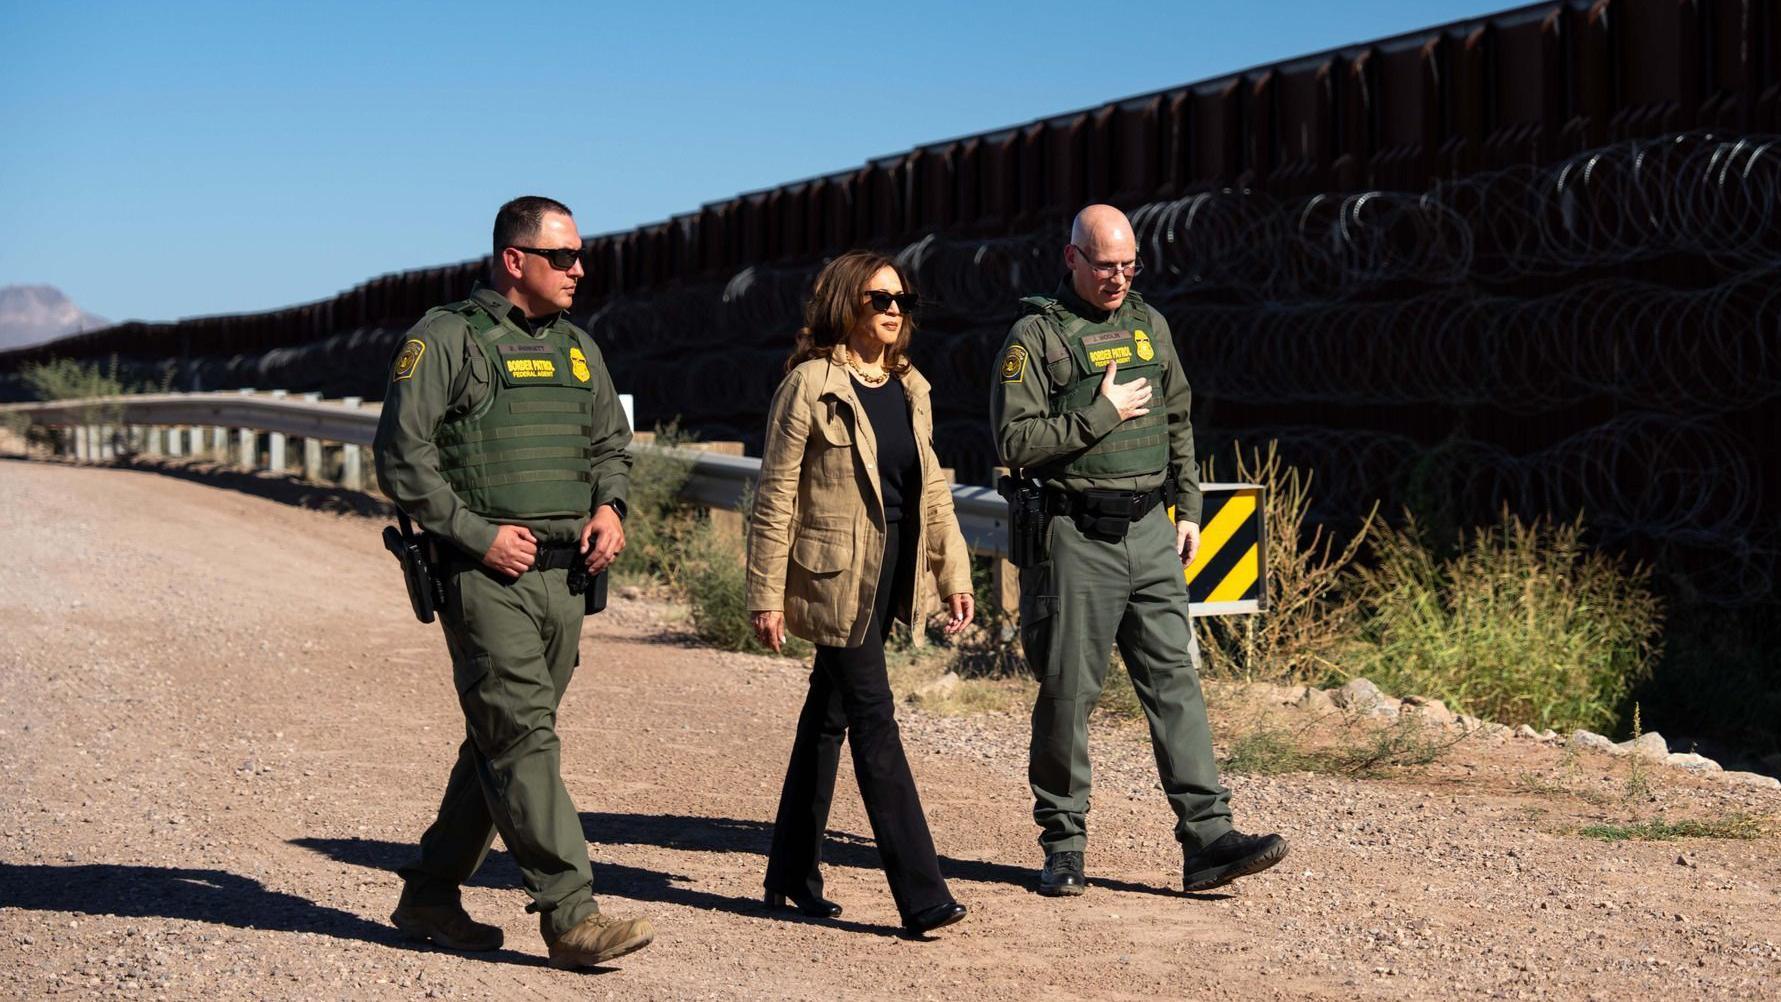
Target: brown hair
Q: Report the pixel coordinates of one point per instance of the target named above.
(835, 307)
(519, 219)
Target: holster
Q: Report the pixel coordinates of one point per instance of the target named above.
(591, 586)
(425, 589)
(1027, 519)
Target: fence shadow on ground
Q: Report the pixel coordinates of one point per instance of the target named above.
(283, 488)
(191, 894)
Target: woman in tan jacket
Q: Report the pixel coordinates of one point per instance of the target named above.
(851, 514)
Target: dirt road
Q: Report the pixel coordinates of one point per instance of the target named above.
(220, 729)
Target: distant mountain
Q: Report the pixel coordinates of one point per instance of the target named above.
(30, 314)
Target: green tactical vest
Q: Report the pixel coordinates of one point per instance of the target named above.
(1136, 447)
(525, 450)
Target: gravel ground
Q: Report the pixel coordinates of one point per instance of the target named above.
(220, 730)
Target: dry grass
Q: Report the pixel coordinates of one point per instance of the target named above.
(914, 673)
(1311, 619)
(1731, 826)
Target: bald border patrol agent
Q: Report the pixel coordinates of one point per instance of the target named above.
(1091, 408)
(502, 436)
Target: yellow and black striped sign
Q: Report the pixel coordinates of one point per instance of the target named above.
(1229, 574)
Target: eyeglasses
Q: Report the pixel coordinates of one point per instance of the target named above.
(560, 258)
(882, 300)
(1105, 269)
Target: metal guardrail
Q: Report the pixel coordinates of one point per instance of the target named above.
(716, 481)
(344, 421)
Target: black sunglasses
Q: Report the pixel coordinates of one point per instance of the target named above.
(881, 301)
(560, 258)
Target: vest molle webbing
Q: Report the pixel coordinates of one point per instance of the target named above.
(1136, 447)
(524, 452)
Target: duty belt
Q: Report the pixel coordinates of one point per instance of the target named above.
(556, 556)
(551, 556)
(1103, 513)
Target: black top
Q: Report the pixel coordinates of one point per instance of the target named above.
(899, 467)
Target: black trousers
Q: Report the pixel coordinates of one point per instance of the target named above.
(850, 697)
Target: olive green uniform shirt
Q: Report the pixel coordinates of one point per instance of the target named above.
(435, 387)
(1031, 437)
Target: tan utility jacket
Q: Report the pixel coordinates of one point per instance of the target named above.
(816, 539)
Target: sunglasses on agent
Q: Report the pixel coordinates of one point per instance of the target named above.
(560, 258)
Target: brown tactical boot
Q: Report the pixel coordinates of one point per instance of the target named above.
(597, 939)
(448, 926)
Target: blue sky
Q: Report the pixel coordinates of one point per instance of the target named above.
(178, 159)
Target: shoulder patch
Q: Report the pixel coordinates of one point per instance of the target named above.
(1014, 367)
(578, 365)
(408, 359)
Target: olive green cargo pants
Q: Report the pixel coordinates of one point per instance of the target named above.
(513, 649)
(1090, 594)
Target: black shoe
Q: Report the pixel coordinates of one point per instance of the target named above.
(929, 919)
(1233, 855)
(815, 907)
(1062, 874)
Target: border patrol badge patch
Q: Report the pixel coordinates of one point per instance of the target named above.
(408, 359)
(1014, 367)
(578, 365)
(1146, 350)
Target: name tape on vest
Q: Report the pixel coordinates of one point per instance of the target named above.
(1107, 347)
(531, 368)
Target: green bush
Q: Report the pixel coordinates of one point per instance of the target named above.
(1522, 625)
(659, 522)
(673, 545)
(713, 574)
(66, 379)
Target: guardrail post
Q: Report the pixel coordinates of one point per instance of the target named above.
(247, 442)
(352, 472)
(196, 434)
(312, 448)
(175, 444)
(107, 443)
(275, 442)
(81, 443)
(219, 442)
(1005, 576)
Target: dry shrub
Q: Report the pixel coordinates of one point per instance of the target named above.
(1310, 618)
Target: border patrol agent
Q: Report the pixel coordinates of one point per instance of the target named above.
(1092, 402)
(502, 436)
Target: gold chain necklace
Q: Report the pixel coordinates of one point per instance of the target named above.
(869, 380)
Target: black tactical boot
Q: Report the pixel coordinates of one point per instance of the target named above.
(1233, 855)
(1062, 874)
